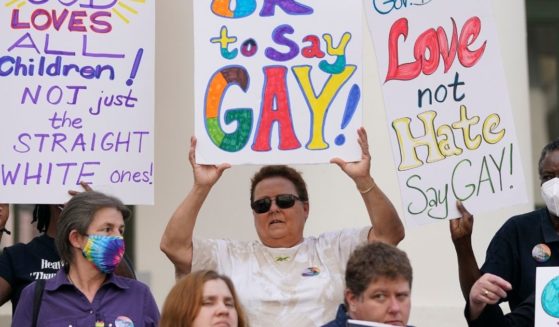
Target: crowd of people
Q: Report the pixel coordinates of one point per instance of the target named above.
(283, 278)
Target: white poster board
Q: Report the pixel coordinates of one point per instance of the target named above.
(447, 105)
(360, 323)
(77, 81)
(277, 81)
(547, 296)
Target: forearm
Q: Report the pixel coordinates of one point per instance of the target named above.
(468, 270)
(387, 225)
(5, 291)
(176, 241)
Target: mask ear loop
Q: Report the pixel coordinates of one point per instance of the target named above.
(550, 195)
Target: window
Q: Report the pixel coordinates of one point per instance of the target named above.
(543, 65)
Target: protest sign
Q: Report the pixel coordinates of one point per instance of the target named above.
(447, 105)
(362, 323)
(547, 296)
(277, 81)
(77, 99)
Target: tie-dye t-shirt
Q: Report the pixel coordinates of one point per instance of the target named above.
(295, 287)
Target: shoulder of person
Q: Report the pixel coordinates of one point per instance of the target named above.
(14, 249)
(227, 245)
(130, 282)
(342, 234)
(525, 220)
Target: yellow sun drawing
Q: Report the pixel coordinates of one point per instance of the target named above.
(20, 3)
(125, 7)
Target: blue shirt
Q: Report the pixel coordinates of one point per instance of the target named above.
(341, 318)
(119, 302)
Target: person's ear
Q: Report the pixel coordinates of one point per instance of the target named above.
(350, 299)
(76, 239)
(306, 209)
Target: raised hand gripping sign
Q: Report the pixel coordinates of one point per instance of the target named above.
(277, 81)
(448, 110)
(77, 99)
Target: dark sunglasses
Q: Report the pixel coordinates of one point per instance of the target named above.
(283, 201)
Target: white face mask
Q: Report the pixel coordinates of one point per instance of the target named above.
(550, 194)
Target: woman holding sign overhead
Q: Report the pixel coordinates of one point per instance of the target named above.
(284, 279)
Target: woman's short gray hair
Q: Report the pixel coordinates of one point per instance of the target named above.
(78, 214)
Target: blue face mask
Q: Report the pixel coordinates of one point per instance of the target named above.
(104, 251)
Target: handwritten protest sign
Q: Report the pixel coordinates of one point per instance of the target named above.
(361, 323)
(547, 296)
(277, 81)
(448, 110)
(77, 99)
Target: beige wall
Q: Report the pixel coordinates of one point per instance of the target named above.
(334, 201)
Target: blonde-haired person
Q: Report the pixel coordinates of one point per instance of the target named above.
(203, 298)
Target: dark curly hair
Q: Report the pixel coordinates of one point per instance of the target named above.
(41, 215)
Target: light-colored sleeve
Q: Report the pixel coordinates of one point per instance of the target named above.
(344, 242)
(205, 254)
(221, 255)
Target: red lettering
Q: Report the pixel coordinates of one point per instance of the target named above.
(447, 53)
(76, 21)
(275, 91)
(15, 24)
(38, 25)
(41, 19)
(396, 71)
(435, 44)
(58, 20)
(313, 50)
(427, 41)
(468, 36)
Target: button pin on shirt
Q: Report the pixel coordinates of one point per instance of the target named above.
(123, 321)
(310, 272)
(541, 253)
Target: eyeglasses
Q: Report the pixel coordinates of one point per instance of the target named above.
(283, 201)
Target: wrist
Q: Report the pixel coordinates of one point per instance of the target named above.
(475, 309)
(464, 242)
(365, 185)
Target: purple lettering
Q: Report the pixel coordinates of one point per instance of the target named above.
(279, 38)
(291, 7)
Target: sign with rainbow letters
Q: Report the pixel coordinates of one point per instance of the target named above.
(277, 81)
(77, 81)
